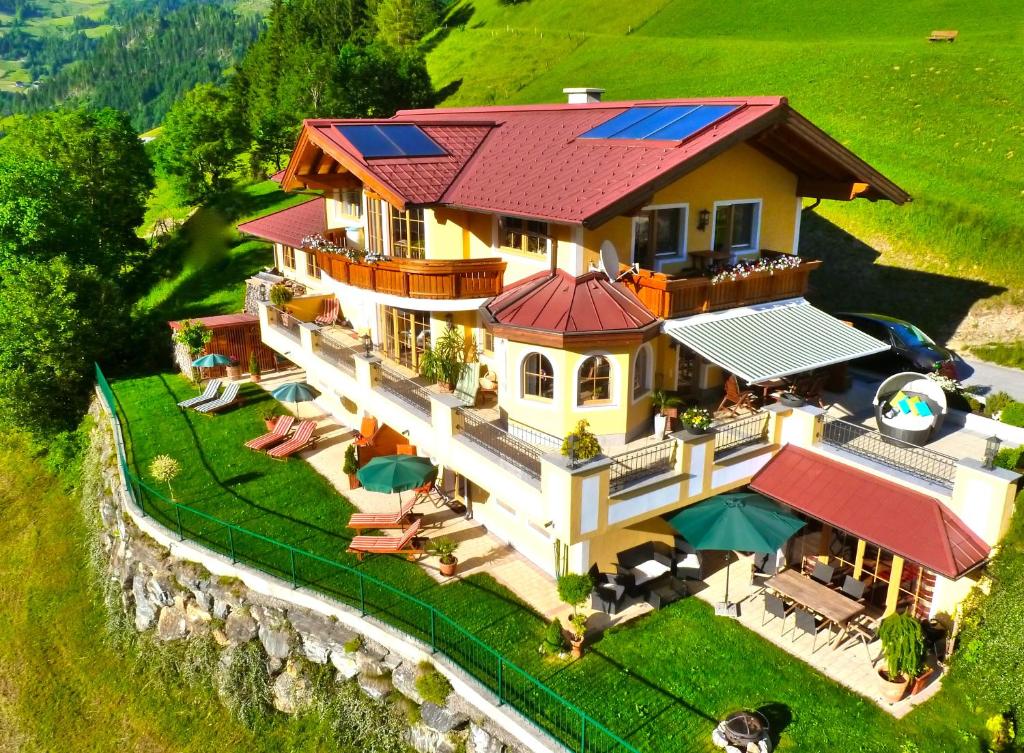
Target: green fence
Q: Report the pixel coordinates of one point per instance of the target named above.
(563, 721)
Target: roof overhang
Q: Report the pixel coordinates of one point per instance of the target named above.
(772, 340)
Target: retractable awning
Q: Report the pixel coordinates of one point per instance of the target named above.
(772, 340)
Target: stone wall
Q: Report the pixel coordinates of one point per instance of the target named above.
(178, 598)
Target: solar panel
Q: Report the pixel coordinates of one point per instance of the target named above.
(668, 123)
(391, 140)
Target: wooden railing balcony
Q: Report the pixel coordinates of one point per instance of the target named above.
(669, 298)
(436, 279)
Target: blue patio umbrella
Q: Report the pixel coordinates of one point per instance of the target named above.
(742, 521)
(295, 392)
(210, 360)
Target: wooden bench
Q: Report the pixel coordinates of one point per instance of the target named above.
(943, 35)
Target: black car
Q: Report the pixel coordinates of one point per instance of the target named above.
(911, 349)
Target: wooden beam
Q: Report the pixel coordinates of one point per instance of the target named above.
(328, 181)
(892, 595)
(829, 189)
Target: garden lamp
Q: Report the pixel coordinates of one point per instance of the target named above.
(367, 344)
(991, 450)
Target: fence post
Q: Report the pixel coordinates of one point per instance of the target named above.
(291, 559)
(501, 678)
(362, 595)
(177, 515)
(583, 733)
(231, 544)
(433, 634)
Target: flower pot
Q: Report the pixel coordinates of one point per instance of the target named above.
(660, 424)
(353, 481)
(234, 372)
(448, 568)
(697, 429)
(670, 412)
(790, 400)
(921, 681)
(576, 644)
(255, 378)
(892, 691)
(270, 422)
(445, 386)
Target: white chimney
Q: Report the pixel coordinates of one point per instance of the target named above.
(582, 95)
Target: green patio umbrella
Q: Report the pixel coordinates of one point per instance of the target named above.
(741, 521)
(396, 473)
(295, 392)
(210, 360)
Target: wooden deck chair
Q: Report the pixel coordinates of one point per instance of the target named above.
(405, 544)
(302, 439)
(812, 389)
(228, 398)
(209, 393)
(330, 310)
(368, 431)
(441, 490)
(735, 398)
(282, 426)
(468, 387)
(406, 449)
(383, 521)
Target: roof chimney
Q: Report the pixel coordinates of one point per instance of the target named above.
(582, 95)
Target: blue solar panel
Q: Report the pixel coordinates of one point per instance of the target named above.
(390, 140)
(669, 123)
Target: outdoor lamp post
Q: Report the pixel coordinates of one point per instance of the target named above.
(367, 344)
(703, 219)
(991, 450)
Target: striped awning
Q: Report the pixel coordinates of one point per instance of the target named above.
(772, 340)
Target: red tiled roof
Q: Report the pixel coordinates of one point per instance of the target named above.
(221, 321)
(913, 525)
(569, 309)
(289, 226)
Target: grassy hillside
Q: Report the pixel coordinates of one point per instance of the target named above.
(941, 119)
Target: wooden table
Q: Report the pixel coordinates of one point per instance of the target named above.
(704, 259)
(817, 597)
(769, 386)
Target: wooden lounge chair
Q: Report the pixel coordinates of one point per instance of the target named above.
(368, 431)
(302, 439)
(228, 398)
(440, 491)
(468, 387)
(282, 426)
(210, 393)
(405, 544)
(735, 398)
(329, 312)
(406, 449)
(362, 520)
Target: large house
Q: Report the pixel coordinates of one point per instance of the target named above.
(587, 254)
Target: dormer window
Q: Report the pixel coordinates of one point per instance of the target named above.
(525, 236)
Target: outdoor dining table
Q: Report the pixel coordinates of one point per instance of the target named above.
(817, 597)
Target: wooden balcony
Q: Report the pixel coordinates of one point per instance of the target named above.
(434, 279)
(670, 298)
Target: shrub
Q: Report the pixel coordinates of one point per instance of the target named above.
(194, 336)
(587, 446)
(281, 294)
(554, 638)
(432, 685)
(443, 548)
(996, 402)
(353, 644)
(254, 364)
(902, 644)
(245, 684)
(573, 589)
(443, 361)
(1010, 458)
(351, 464)
(165, 468)
(1013, 414)
(1003, 732)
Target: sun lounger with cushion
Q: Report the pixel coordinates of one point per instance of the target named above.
(228, 398)
(329, 312)
(361, 520)
(208, 394)
(301, 439)
(404, 544)
(282, 426)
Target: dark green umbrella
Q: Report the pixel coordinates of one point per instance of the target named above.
(741, 521)
(210, 360)
(295, 392)
(396, 473)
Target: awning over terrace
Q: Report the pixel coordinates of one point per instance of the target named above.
(912, 525)
(772, 340)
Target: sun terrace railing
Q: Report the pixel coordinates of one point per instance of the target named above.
(341, 355)
(413, 395)
(540, 439)
(870, 444)
(497, 440)
(740, 432)
(559, 718)
(287, 323)
(634, 466)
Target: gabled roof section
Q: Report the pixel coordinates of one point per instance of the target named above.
(906, 522)
(289, 226)
(559, 310)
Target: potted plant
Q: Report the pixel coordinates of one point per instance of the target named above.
(444, 549)
(351, 466)
(903, 647)
(573, 589)
(234, 370)
(281, 295)
(269, 417)
(697, 420)
(443, 361)
(667, 407)
(580, 443)
(255, 371)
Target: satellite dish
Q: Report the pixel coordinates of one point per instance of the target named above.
(609, 263)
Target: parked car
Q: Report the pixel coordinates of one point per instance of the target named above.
(910, 348)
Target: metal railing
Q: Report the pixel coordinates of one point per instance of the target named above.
(338, 353)
(508, 447)
(413, 395)
(870, 444)
(559, 718)
(287, 323)
(631, 467)
(741, 432)
(539, 439)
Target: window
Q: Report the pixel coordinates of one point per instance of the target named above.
(350, 202)
(312, 268)
(538, 377)
(595, 381)
(406, 335)
(659, 233)
(486, 337)
(525, 236)
(737, 226)
(288, 257)
(374, 225)
(641, 372)
(407, 233)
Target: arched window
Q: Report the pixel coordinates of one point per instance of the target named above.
(595, 381)
(538, 376)
(641, 372)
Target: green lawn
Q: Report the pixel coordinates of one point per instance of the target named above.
(657, 682)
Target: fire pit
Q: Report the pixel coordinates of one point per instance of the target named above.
(743, 732)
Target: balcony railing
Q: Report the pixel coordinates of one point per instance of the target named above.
(920, 462)
(492, 437)
(635, 466)
(288, 324)
(741, 432)
(409, 392)
(433, 279)
(670, 298)
(338, 353)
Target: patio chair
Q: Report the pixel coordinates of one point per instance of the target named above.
(208, 394)
(329, 312)
(467, 389)
(610, 591)
(688, 563)
(853, 588)
(405, 544)
(369, 428)
(812, 389)
(811, 624)
(823, 573)
(228, 398)
(302, 439)
(764, 566)
(735, 398)
(440, 491)
(382, 521)
(776, 608)
(282, 426)
(864, 632)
